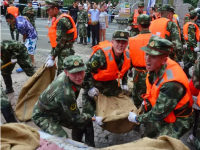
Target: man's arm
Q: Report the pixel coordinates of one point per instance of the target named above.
(165, 103)
(24, 37)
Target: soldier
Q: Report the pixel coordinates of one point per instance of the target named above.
(30, 12)
(194, 138)
(15, 12)
(137, 58)
(62, 35)
(108, 62)
(171, 113)
(187, 16)
(165, 28)
(157, 7)
(15, 52)
(29, 34)
(57, 105)
(191, 35)
(6, 108)
(82, 20)
(132, 21)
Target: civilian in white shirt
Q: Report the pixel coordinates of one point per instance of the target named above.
(103, 20)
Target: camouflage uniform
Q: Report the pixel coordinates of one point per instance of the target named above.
(196, 127)
(139, 78)
(63, 48)
(57, 105)
(166, 101)
(187, 18)
(31, 17)
(177, 53)
(190, 55)
(134, 31)
(82, 19)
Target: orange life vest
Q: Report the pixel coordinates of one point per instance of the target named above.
(187, 15)
(195, 92)
(173, 72)
(135, 44)
(111, 72)
(52, 30)
(185, 30)
(136, 14)
(176, 21)
(13, 10)
(159, 27)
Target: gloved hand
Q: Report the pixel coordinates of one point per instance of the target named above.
(125, 87)
(49, 63)
(13, 61)
(98, 120)
(93, 92)
(185, 46)
(49, 57)
(86, 25)
(48, 22)
(132, 117)
(196, 49)
(181, 64)
(129, 27)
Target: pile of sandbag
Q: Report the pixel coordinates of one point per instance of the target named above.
(31, 91)
(115, 111)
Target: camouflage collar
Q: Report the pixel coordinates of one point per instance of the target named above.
(58, 14)
(145, 31)
(159, 74)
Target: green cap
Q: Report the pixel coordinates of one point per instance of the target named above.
(141, 4)
(158, 5)
(193, 13)
(74, 64)
(120, 35)
(50, 4)
(191, 8)
(29, 1)
(158, 46)
(143, 19)
(167, 7)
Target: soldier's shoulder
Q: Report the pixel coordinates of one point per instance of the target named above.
(64, 20)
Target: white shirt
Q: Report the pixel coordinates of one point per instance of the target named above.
(102, 17)
(35, 4)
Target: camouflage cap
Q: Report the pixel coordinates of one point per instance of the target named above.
(167, 7)
(50, 4)
(158, 46)
(29, 1)
(143, 19)
(120, 35)
(193, 13)
(159, 9)
(191, 8)
(158, 5)
(73, 64)
(141, 4)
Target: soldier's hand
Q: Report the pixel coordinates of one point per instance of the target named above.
(132, 117)
(49, 63)
(185, 46)
(125, 87)
(129, 27)
(196, 49)
(93, 92)
(13, 61)
(86, 25)
(48, 22)
(98, 120)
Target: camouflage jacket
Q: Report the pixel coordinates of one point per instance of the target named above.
(30, 16)
(82, 16)
(166, 101)
(63, 26)
(186, 19)
(12, 49)
(192, 42)
(196, 74)
(98, 61)
(59, 99)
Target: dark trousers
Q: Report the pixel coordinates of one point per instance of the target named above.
(196, 118)
(95, 34)
(88, 30)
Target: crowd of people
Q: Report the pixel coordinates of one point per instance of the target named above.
(160, 53)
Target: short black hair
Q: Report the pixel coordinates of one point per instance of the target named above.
(9, 16)
(145, 25)
(153, 8)
(192, 17)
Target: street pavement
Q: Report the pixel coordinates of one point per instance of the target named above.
(103, 138)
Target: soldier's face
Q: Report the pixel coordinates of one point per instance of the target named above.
(52, 11)
(140, 9)
(77, 77)
(30, 4)
(119, 46)
(170, 16)
(80, 8)
(154, 63)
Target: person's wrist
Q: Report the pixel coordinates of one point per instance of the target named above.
(136, 119)
(53, 58)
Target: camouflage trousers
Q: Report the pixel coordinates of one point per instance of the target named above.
(24, 62)
(134, 32)
(82, 30)
(51, 123)
(175, 130)
(108, 88)
(64, 54)
(139, 88)
(32, 21)
(196, 128)
(189, 56)
(4, 99)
